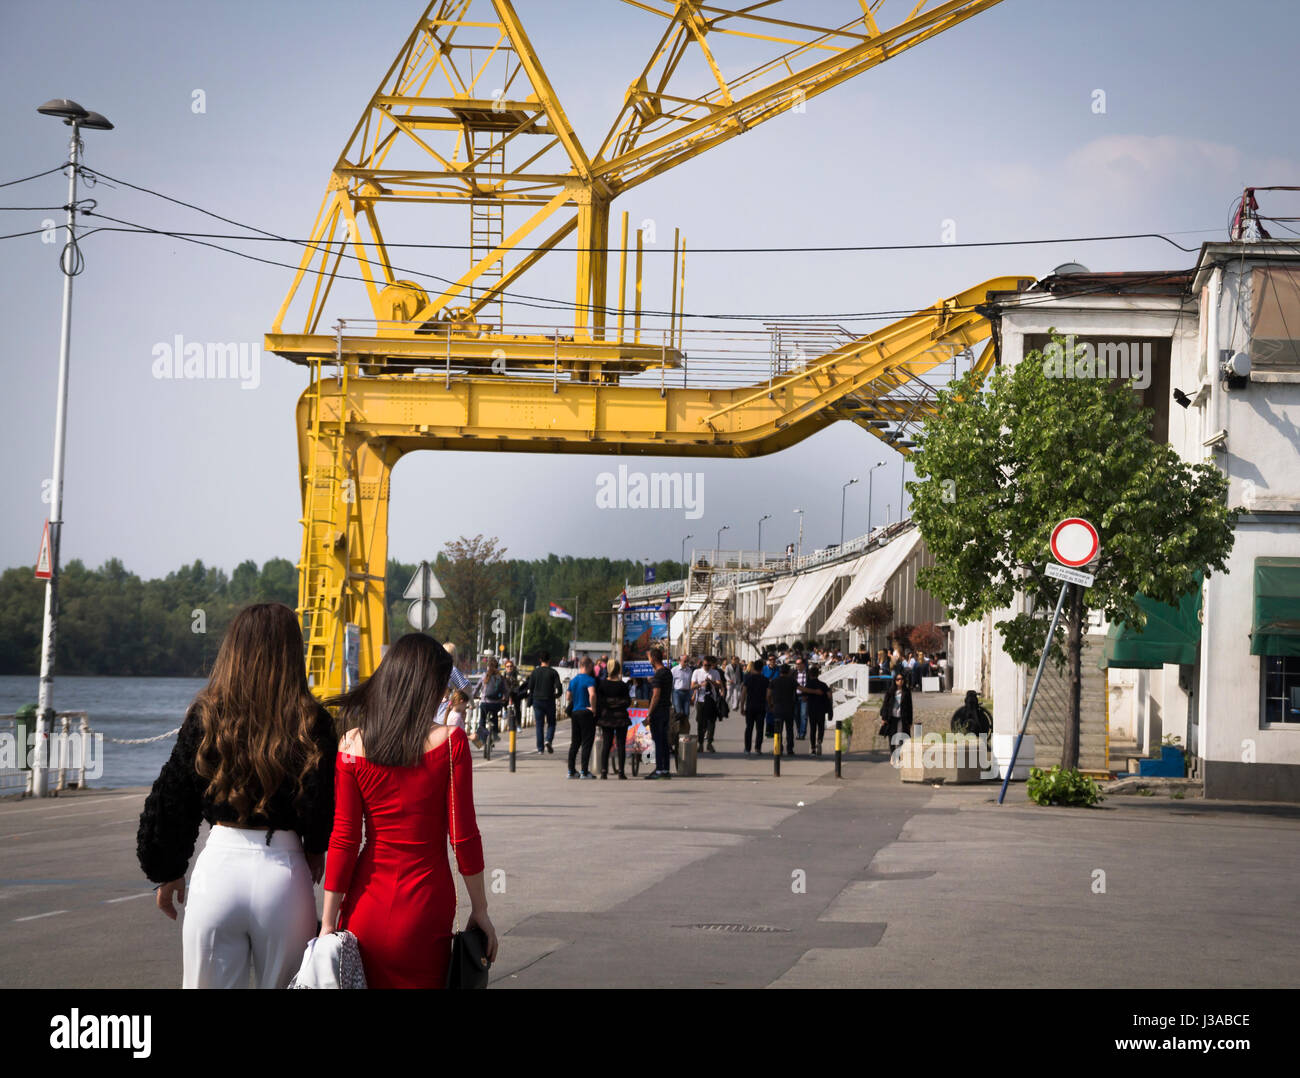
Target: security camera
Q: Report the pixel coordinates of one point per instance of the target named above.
(1218, 440)
(1181, 398)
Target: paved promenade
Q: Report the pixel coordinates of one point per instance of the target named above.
(737, 878)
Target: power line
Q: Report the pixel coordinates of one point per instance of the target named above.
(37, 175)
(554, 305)
(543, 302)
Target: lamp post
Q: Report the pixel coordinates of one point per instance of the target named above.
(74, 116)
(685, 568)
(870, 491)
(902, 477)
(718, 545)
(844, 495)
(798, 550)
(765, 516)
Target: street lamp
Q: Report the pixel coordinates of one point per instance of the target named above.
(765, 516)
(684, 538)
(798, 550)
(718, 545)
(902, 477)
(844, 494)
(870, 479)
(74, 116)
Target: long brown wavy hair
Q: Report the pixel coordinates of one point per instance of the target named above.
(257, 713)
(396, 708)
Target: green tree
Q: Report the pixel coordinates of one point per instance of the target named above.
(870, 616)
(472, 574)
(1000, 465)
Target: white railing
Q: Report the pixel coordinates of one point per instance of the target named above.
(69, 749)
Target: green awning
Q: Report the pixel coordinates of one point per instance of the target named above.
(1276, 626)
(1171, 635)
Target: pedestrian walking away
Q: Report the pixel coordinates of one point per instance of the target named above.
(817, 696)
(661, 689)
(753, 703)
(782, 699)
(411, 782)
(544, 688)
(582, 717)
(255, 758)
(613, 697)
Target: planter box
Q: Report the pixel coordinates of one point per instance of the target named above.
(950, 762)
(1003, 746)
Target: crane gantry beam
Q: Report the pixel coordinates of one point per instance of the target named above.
(466, 117)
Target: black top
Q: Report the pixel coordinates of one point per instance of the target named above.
(819, 703)
(544, 684)
(613, 697)
(783, 688)
(177, 804)
(663, 681)
(755, 694)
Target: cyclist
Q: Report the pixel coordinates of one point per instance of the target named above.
(491, 692)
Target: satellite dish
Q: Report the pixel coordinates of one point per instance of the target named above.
(1066, 268)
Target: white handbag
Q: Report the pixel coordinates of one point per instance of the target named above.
(332, 961)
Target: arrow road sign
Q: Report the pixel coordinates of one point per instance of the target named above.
(423, 589)
(1073, 576)
(423, 585)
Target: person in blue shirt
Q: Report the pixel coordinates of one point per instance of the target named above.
(582, 716)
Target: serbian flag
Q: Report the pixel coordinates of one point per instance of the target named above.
(622, 600)
(557, 611)
(667, 598)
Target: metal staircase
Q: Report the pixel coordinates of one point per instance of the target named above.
(329, 497)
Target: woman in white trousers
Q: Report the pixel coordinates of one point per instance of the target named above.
(251, 909)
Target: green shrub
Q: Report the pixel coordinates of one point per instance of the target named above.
(1058, 787)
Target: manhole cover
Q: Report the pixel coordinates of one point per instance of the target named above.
(733, 928)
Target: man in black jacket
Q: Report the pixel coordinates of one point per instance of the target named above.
(544, 688)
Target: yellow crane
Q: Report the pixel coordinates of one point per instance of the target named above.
(466, 119)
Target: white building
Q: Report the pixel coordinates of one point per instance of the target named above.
(1226, 680)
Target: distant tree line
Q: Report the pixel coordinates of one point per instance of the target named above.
(113, 623)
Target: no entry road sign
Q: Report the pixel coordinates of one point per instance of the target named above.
(1074, 542)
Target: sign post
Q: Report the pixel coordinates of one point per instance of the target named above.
(1074, 543)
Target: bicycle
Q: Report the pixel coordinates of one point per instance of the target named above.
(489, 724)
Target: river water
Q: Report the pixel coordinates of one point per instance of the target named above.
(119, 707)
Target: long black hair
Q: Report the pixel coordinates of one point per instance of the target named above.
(396, 708)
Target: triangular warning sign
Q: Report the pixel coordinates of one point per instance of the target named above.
(44, 568)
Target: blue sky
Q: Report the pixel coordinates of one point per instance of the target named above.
(991, 126)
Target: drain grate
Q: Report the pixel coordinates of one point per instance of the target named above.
(725, 927)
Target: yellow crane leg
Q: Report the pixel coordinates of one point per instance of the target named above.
(346, 484)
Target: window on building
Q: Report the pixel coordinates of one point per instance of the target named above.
(1145, 359)
(1281, 688)
(1275, 318)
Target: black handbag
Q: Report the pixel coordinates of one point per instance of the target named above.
(469, 961)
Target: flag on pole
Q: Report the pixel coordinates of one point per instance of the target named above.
(667, 597)
(622, 600)
(557, 611)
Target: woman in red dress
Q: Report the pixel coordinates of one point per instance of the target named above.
(410, 782)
